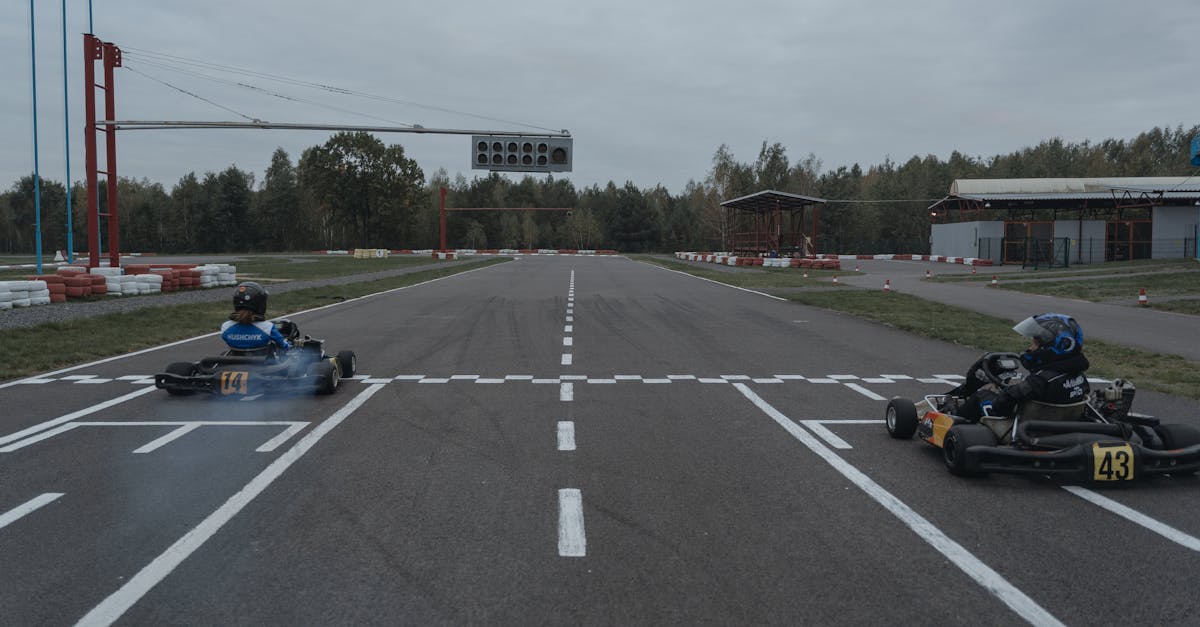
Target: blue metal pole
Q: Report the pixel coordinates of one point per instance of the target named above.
(90, 28)
(37, 179)
(67, 139)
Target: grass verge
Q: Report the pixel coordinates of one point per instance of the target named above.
(59, 344)
(1169, 374)
(751, 277)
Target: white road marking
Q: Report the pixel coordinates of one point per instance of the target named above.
(842, 377)
(182, 428)
(518, 377)
(656, 380)
(682, 377)
(865, 392)
(717, 282)
(568, 341)
(566, 359)
(547, 381)
(769, 380)
(571, 539)
(608, 381)
(818, 427)
(111, 609)
(93, 381)
(372, 381)
(573, 377)
(898, 377)
(1137, 517)
(566, 392)
(735, 377)
(489, 380)
(30, 381)
(627, 377)
(464, 377)
(73, 415)
(434, 380)
(20, 511)
(570, 328)
(566, 435)
(409, 377)
(168, 438)
(791, 377)
(981, 573)
(78, 377)
(570, 318)
(823, 381)
(877, 380)
(707, 380)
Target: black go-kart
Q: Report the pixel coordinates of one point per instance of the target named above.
(303, 368)
(1098, 439)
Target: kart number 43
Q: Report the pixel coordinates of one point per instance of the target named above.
(1112, 462)
(235, 382)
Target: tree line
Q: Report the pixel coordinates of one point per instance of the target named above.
(354, 191)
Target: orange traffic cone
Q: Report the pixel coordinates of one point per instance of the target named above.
(835, 279)
(856, 269)
(887, 285)
(972, 269)
(806, 274)
(927, 274)
(994, 283)
(1142, 300)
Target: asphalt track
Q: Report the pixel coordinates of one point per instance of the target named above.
(562, 440)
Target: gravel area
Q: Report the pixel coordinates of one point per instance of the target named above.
(60, 312)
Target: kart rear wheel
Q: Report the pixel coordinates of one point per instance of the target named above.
(955, 444)
(327, 374)
(183, 369)
(901, 418)
(347, 363)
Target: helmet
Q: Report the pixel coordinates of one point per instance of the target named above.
(1057, 335)
(252, 296)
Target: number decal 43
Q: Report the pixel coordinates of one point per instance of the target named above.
(1112, 462)
(235, 382)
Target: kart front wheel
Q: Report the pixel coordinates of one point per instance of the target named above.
(901, 418)
(182, 369)
(347, 363)
(327, 376)
(955, 444)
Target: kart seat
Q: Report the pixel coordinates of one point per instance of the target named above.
(229, 360)
(1064, 433)
(1038, 410)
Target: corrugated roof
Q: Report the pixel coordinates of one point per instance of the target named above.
(965, 187)
(770, 200)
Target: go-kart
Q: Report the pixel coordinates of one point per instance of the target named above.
(1097, 439)
(305, 367)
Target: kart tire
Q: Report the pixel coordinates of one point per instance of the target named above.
(183, 369)
(901, 418)
(955, 444)
(347, 363)
(327, 374)
(1176, 436)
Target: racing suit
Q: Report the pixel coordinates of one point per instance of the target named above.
(256, 335)
(1059, 381)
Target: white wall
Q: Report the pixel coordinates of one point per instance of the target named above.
(1085, 248)
(961, 239)
(1171, 226)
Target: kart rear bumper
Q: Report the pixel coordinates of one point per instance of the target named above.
(1082, 462)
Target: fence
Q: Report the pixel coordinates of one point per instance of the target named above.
(1063, 252)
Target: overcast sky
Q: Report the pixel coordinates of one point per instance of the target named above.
(649, 89)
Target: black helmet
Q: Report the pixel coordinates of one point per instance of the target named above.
(252, 296)
(1057, 335)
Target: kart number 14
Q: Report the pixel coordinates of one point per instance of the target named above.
(1112, 462)
(234, 382)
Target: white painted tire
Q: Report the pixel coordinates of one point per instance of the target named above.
(21, 302)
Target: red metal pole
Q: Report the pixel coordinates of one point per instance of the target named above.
(112, 59)
(443, 220)
(92, 52)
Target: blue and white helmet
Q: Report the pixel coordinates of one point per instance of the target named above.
(1057, 333)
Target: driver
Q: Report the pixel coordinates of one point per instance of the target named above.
(1055, 362)
(248, 328)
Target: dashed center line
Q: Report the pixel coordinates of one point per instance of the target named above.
(566, 435)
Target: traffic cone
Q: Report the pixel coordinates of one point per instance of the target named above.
(927, 274)
(806, 274)
(1142, 300)
(994, 283)
(972, 269)
(887, 285)
(835, 279)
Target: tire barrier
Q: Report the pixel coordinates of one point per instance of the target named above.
(371, 253)
(818, 262)
(24, 293)
(70, 282)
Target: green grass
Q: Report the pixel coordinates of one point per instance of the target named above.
(1109, 288)
(1170, 374)
(321, 267)
(55, 345)
(1140, 266)
(1186, 306)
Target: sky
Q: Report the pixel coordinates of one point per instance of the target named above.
(648, 89)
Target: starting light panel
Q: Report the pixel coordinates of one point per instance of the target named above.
(517, 153)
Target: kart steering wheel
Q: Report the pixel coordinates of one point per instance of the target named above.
(1002, 368)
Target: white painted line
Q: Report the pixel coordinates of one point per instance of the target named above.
(682, 377)
(30, 382)
(566, 392)
(463, 377)
(168, 438)
(215, 333)
(1137, 517)
(989, 579)
(842, 377)
(571, 540)
(865, 392)
(427, 380)
(519, 377)
(823, 381)
(566, 359)
(932, 380)
(627, 377)
(360, 377)
(898, 377)
(409, 377)
(373, 381)
(602, 381)
(93, 381)
(278, 440)
(825, 434)
(735, 377)
(718, 282)
(791, 377)
(547, 381)
(769, 380)
(111, 609)
(489, 380)
(570, 318)
(570, 328)
(573, 377)
(78, 377)
(134, 377)
(952, 377)
(568, 341)
(73, 415)
(656, 380)
(877, 380)
(712, 380)
(18, 512)
(566, 435)
(252, 397)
